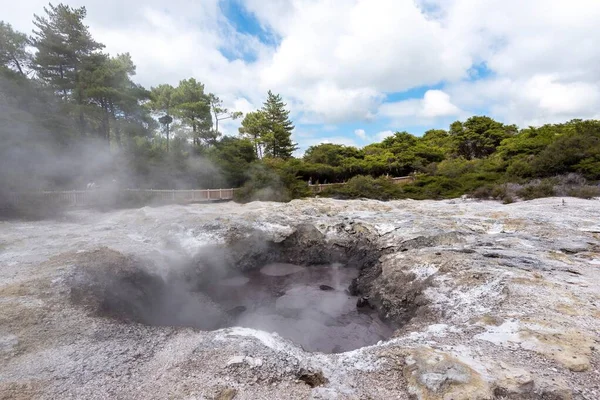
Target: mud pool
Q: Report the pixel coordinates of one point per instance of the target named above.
(309, 305)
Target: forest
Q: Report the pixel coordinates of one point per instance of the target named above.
(70, 113)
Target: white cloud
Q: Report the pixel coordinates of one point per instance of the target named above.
(434, 104)
(335, 60)
(361, 133)
(437, 104)
(379, 136)
(326, 102)
(532, 101)
(543, 60)
(387, 45)
(308, 139)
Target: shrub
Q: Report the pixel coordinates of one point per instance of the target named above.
(520, 168)
(572, 179)
(483, 192)
(433, 187)
(271, 184)
(584, 192)
(536, 190)
(507, 199)
(496, 192)
(362, 186)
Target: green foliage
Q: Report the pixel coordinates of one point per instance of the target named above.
(13, 49)
(271, 181)
(362, 186)
(433, 187)
(63, 45)
(584, 192)
(330, 154)
(537, 190)
(479, 137)
(270, 129)
(169, 137)
(575, 151)
(493, 191)
(219, 112)
(254, 128)
(107, 85)
(193, 106)
(233, 157)
(278, 128)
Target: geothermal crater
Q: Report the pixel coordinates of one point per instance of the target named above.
(311, 305)
(487, 301)
(319, 307)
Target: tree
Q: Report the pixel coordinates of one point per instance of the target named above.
(13, 49)
(63, 44)
(479, 137)
(107, 84)
(233, 156)
(254, 127)
(576, 150)
(162, 103)
(277, 138)
(166, 121)
(219, 112)
(331, 154)
(192, 105)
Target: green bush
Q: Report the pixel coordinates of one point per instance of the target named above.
(483, 192)
(433, 187)
(584, 192)
(362, 186)
(536, 190)
(495, 192)
(271, 183)
(520, 168)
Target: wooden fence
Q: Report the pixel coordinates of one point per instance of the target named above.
(401, 180)
(189, 196)
(77, 198)
(81, 198)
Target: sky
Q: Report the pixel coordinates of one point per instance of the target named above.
(355, 71)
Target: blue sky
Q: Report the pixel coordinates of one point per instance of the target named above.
(353, 71)
(358, 131)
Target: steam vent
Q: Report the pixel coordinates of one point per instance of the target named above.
(313, 299)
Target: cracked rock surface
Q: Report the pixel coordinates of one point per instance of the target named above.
(490, 301)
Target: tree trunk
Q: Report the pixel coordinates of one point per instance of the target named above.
(114, 116)
(18, 65)
(216, 122)
(196, 138)
(105, 120)
(62, 77)
(80, 104)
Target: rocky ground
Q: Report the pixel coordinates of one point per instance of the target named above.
(492, 301)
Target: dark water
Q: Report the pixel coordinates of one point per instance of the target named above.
(308, 305)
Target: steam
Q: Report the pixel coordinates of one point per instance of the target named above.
(42, 151)
(308, 304)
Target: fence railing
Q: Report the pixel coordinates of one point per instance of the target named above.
(319, 187)
(189, 196)
(77, 198)
(74, 198)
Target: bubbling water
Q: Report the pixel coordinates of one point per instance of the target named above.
(309, 305)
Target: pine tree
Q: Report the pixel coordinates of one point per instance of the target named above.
(161, 103)
(277, 137)
(192, 106)
(254, 127)
(108, 86)
(63, 43)
(64, 46)
(13, 49)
